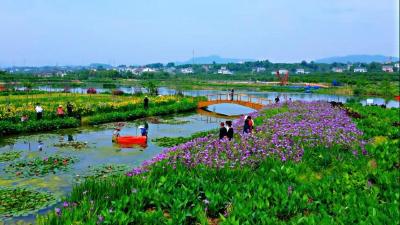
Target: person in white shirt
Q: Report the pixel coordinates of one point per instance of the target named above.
(39, 111)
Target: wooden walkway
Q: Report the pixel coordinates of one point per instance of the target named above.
(253, 102)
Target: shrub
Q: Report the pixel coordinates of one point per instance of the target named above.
(117, 92)
(91, 91)
(8, 127)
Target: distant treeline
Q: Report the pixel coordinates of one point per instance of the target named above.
(319, 72)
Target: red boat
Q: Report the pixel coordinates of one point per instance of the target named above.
(131, 140)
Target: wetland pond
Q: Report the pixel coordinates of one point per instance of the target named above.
(94, 152)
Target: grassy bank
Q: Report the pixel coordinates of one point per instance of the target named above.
(254, 180)
(94, 109)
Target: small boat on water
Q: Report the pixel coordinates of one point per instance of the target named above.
(130, 140)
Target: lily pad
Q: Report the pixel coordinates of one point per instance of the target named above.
(104, 171)
(9, 156)
(23, 201)
(39, 166)
(77, 145)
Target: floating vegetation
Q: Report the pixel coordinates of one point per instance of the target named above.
(158, 120)
(77, 145)
(174, 121)
(22, 201)
(104, 171)
(39, 166)
(173, 141)
(9, 156)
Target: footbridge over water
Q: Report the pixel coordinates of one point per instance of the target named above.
(249, 101)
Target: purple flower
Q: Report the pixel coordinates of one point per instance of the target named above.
(100, 219)
(290, 190)
(57, 211)
(65, 204)
(283, 136)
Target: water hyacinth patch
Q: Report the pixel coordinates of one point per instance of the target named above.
(284, 135)
(40, 166)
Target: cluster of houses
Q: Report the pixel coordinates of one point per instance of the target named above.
(223, 70)
(359, 69)
(136, 70)
(187, 70)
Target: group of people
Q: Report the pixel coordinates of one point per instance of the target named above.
(226, 131)
(144, 129)
(59, 112)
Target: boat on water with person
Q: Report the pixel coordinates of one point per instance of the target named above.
(129, 139)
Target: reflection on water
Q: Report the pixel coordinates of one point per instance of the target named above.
(229, 109)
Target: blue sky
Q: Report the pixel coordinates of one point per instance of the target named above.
(72, 32)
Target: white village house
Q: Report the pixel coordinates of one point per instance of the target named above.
(283, 71)
(360, 70)
(300, 71)
(337, 70)
(224, 71)
(149, 70)
(188, 70)
(258, 70)
(387, 68)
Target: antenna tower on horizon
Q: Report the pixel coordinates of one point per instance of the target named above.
(193, 57)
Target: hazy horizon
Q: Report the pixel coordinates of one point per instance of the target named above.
(45, 32)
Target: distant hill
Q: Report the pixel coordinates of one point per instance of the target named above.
(356, 59)
(98, 65)
(213, 58)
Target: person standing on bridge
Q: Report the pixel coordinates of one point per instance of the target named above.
(232, 94)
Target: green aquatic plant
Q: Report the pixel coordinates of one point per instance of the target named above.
(39, 166)
(76, 145)
(9, 156)
(22, 201)
(105, 171)
(173, 141)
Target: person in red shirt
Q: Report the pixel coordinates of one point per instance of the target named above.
(251, 124)
(60, 111)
